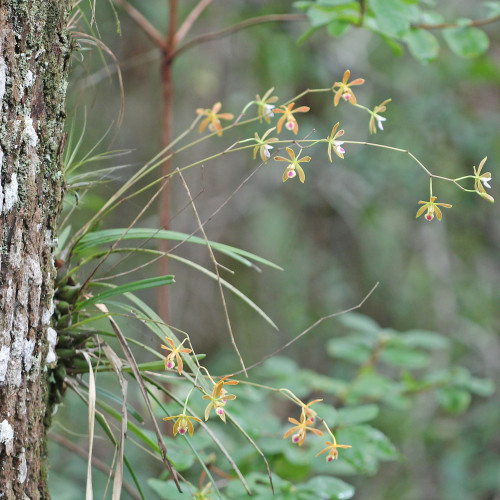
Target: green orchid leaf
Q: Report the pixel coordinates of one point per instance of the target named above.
(128, 287)
(109, 236)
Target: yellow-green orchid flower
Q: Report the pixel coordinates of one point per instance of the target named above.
(376, 118)
(264, 145)
(265, 106)
(219, 398)
(333, 454)
(432, 208)
(299, 430)
(308, 412)
(174, 355)
(291, 121)
(482, 180)
(183, 423)
(213, 118)
(334, 144)
(293, 168)
(344, 89)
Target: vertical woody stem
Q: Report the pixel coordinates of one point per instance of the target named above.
(166, 137)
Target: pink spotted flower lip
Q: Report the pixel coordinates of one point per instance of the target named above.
(343, 89)
(431, 208)
(293, 167)
(219, 398)
(308, 412)
(288, 116)
(183, 423)
(174, 355)
(332, 449)
(299, 430)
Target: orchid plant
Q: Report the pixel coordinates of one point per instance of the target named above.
(264, 147)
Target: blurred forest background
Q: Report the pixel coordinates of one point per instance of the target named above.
(350, 225)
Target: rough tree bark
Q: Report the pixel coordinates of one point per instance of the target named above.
(34, 58)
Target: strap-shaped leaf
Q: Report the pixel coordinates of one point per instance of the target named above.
(109, 236)
(128, 287)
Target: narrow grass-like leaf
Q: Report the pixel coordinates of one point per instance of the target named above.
(194, 265)
(157, 326)
(71, 151)
(127, 287)
(100, 173)
(106, 155)
(140, 382)
(91, 401)
(117, 365)
(200, 460)
(205, 468)
(254, 444)
(117, 399)
(62, 238)
(152, 366)
(207, 429)
(130, 426)
(134, 477)
(105, 427)
(108, 236)
(227, 285)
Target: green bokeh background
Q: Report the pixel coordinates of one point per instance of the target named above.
(350, 225)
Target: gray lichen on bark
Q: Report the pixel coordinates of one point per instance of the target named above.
(34, 59)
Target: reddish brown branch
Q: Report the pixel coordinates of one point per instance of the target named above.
(273, 18)
(142, 22)
(191, 19)
(172, 26)
(164, 206)
(471, 24)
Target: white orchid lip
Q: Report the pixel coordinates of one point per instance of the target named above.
(338, 146)
(380, 119)
(269, 110)
(485, 181)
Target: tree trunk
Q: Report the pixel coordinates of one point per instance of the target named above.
(34, 58)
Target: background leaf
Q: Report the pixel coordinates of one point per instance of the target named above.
(422, 44)
(392, 17)
(467, 42)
